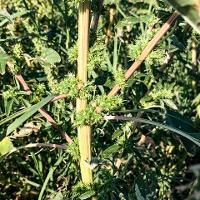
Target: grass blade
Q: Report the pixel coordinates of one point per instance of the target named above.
(31, 111)
(49, 175)
(15, 15)
(146, 121)
(190, 11)
(7, 119)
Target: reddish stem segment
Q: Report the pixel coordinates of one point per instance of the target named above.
(25, 87)
(150, 46)
(42, 111)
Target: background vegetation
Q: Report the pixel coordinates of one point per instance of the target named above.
(152, 155)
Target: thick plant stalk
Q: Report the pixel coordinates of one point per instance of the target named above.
(150, 46)
(21, 80)
(84, 132)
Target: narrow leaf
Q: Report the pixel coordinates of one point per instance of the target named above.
(9, 107)
(9, 118)
(31, 111)
(190, 10)
(5, 14)
(11, 17)
(87, 195)
(145, 121)
(110, 150)
(170, 103)
(3, 59)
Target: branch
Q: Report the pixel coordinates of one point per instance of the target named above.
(34, 145)
(150, 46)
(42, 111)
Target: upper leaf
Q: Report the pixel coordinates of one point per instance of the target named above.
(31, 111)
(3, 59)
(50, 56)
(190, 10)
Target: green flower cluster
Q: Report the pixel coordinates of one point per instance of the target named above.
(87, 117)
(9, 93)
(162, 91)
(98, 57)
(108, 103)
(119, 77)
(68, 86)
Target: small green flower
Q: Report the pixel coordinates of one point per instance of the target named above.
(108, 103)
(17, 51)
(87, 117)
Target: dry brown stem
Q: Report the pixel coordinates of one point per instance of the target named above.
(42, 111)
(150, 46)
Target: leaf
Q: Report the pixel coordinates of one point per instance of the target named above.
(145, 187)
(132, 20)
(5, 146)
(87, 195)
(196, 100)
(110, 150)
(116, 134)
(198, 111)
(146, 121)
(50, 56)
(3, 59)
(9, 106)
(176, 120)
(48, 177)
(31, 111)
(7, 119)
(58, 196)
(138, 193)
(5, 14)
(190, 10)
(170, 103)
(11, 17)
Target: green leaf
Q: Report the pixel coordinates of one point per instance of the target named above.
(110, 150)
(145, 187)
(9, 106)
(138, 193)
(196, 100)
(5, 14)
(48, 177)
(58, 196)
(87, 195)
(116, 134)
(3, 59)
(50, 56)
(190, 10)
(5, 146)
(9, 18)
(170, 103)
(7, 119)
(198, 111)
(146, 121)
(31, 111)
(176, 120)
